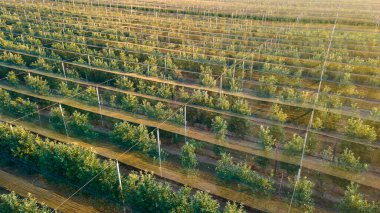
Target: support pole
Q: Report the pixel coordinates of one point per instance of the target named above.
(64, 71)
(120, 184)
(99, 104)
(63, 118)
(159, 148)
(185, 112)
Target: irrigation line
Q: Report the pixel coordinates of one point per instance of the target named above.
(312, 115)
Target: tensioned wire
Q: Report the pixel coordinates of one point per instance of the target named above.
(185, 71)
(126, 151)
(114, 21)
(98, 27)
(99, 68)
(223, 57)
(237, 59)
(95, 56)
(190, 100)
(23, 73)
(205, 14)
(312, 115)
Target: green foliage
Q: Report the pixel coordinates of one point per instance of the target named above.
(12, 203)
(375, 112)
(188, 156)
(79, 125)
(303, 193)
(233, 208)
(89, 95)
(112, 100)
(19, 107)
(145, 194)
(125, 84)
(12, 58)
(290, 94)
(5, 100)
(172, 71)
(230, 81)
(130, 103)
(183, 95)
(278, 133)
(241, 172)
(222, 103)
(99, 62)
(78, 164)
(219, 127)
(276, 68)
(178, 117)
(294, 146)
(317, 123)
(206, 77)
(56, 119)
(12, 78)
(141, 86)
(159, 111)
(328, 153)
(162, 112)
(141, 190)
(64, 90)
(356, 128)
(153, 68)
(128, 135)
(202, 98)
(204, 203)
(268, 86)
(327, 121)
(41, 64)
(278, 114)
(348, 161)
(266, 139)
(354, 202)
(37, 84)
(165, 91)
(71, 162)
(239, 126)
(326, 99)
(241, 106)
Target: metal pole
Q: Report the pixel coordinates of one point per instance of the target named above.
(159, 148)
(99, 104)
(185, 112)
(120, 184)
(63, 118)
(64, 71)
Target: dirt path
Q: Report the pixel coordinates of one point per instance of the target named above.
(365, 178)
(22, 187)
